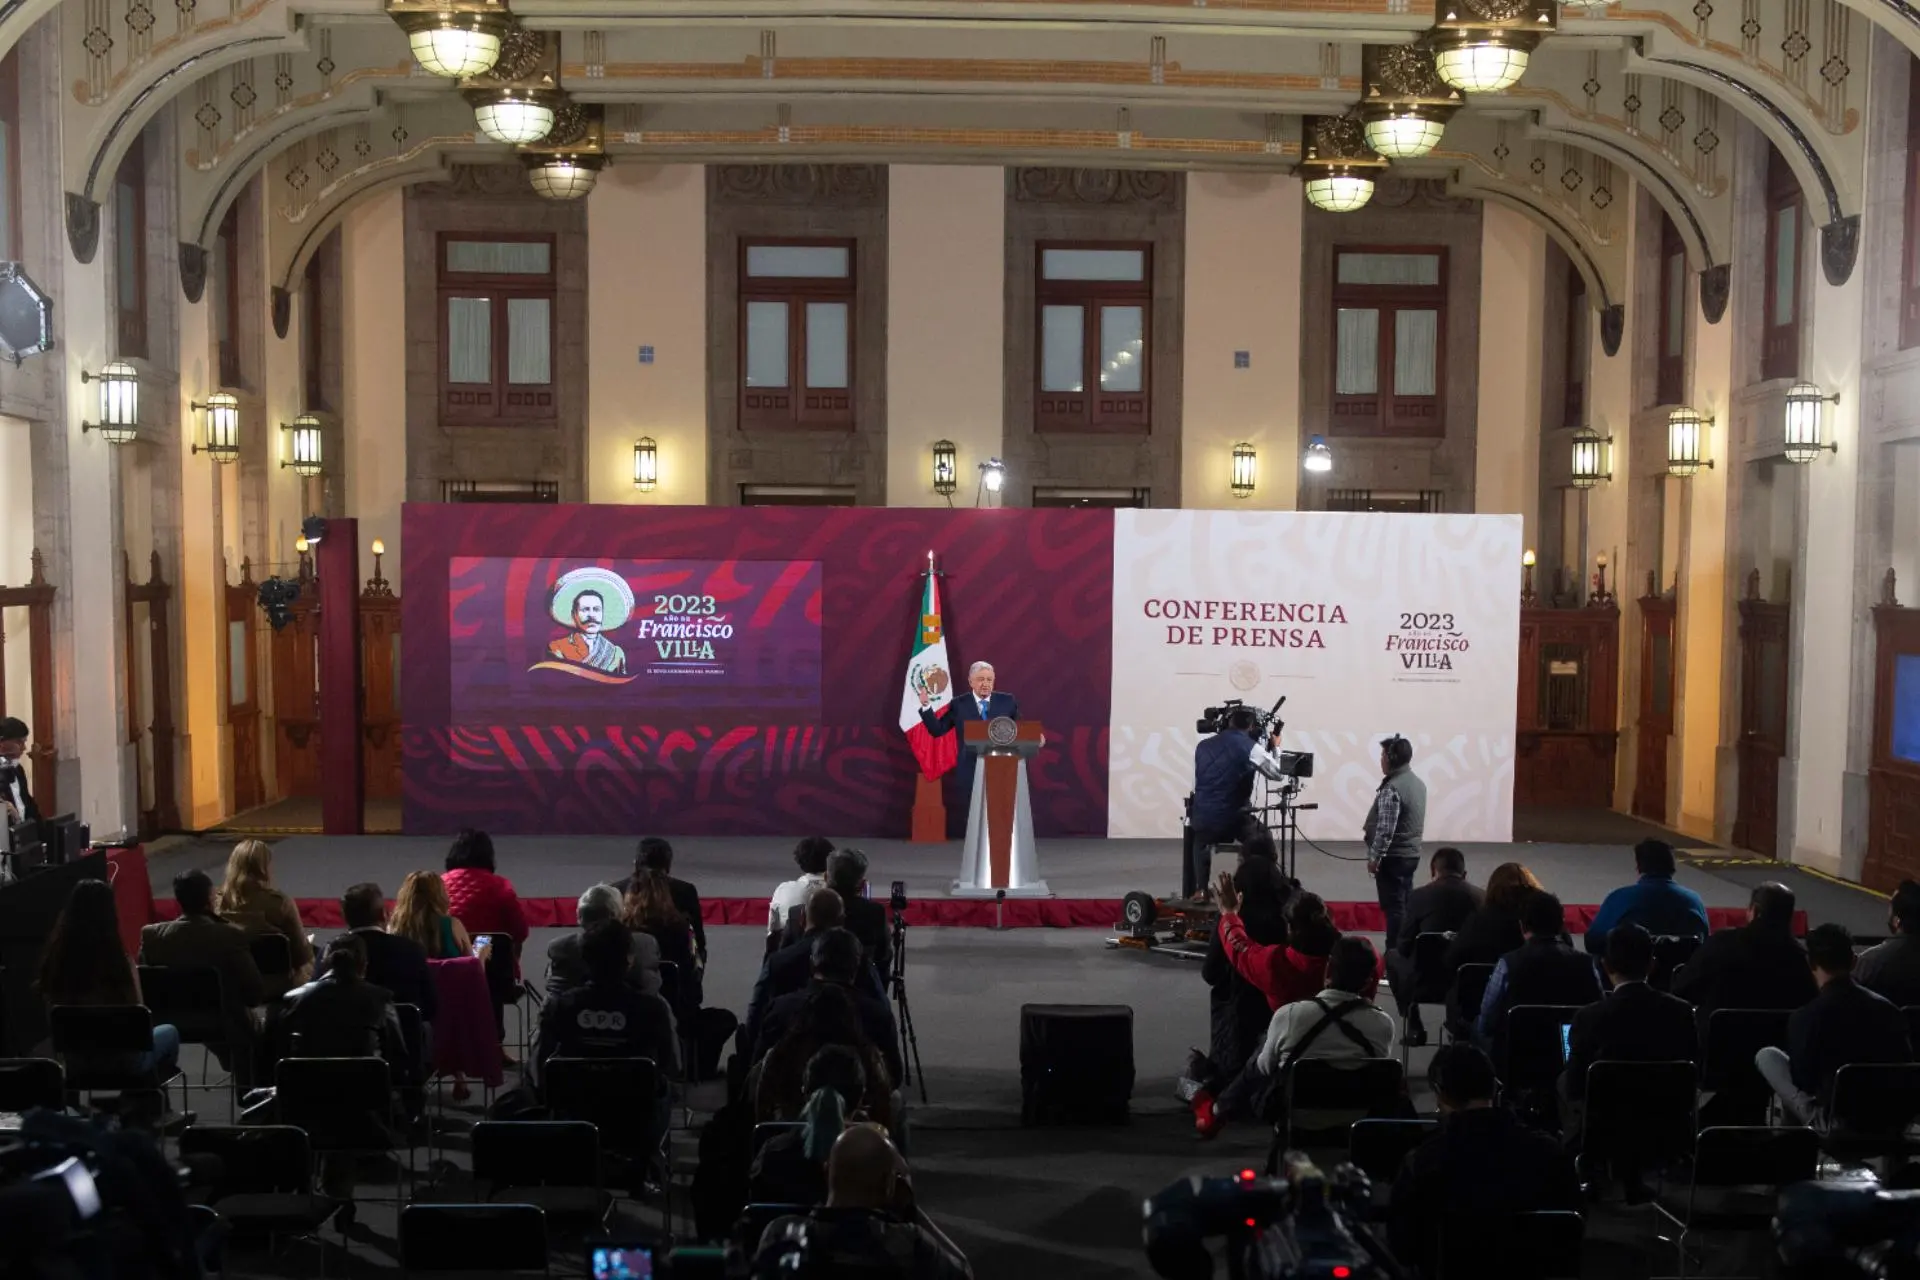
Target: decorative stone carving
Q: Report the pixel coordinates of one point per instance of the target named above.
(83, 227)
(1613, 326)
(1054, 185)
(570, 124)
(193, 270)
(1839, 248)
(487, 180)
(1715, 284)
(1407, 71)
(1496, 10)
(840, 184)
(521, 52)
(282, 311)
(1339, 137)
(1419, 193)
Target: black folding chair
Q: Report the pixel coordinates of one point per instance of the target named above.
(1544, 1245)
(95, 1044)
(487, 1238)
(1913, 1026)
(27, 1083)
(1366, 1087)
(346, 1106)
(1429, 978)
(192, 1000)
(506, 988)
(1873, 1106)
(755, 1218)
(1734, 1180)
(616, 1096)
(1639, 1115)
(1534, 1056)
(1379, 1147)
(272, 954)
(552, 1164)
(1670, 952)
(1469, 989)
(769, 1129)
(1734, 1036)
(259, 1179)
(685, 1020)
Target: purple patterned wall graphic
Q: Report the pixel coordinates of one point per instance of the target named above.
(1030, 591)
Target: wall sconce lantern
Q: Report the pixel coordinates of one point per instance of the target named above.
(223, 426)
(946, 468)
(1592, 458)
(1686, 435)
(1243, 470)
(309, 449)
(1803, 426)
(993, 478)
(1318, 457)
(646, 464)
(119, 402)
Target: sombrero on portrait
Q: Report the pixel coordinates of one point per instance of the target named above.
(612, 589)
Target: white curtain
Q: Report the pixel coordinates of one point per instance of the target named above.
(469, 340)
(529, 341)
(500, 257)
(1416, 354)
(1356, 366)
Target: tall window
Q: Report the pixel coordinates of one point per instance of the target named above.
(1579, 318)
(496, 328)
(796, 334)
(1670, 374)
(226, 296)
(1786, 228)
(130, 252)
(1093, 336)
(1389, 349)
(10, 155)
(313, 329)
(1910, 267)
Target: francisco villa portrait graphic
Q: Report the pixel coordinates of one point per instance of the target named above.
(588, 602)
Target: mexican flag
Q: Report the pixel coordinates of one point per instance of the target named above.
(929, 670)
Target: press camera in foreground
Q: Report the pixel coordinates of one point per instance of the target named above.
(1305, 1224)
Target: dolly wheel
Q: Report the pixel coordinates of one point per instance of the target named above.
(1138, 909)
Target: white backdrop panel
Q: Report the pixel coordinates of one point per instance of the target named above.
(1370, 624)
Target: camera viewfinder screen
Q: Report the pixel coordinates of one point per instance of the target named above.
(622, 1262)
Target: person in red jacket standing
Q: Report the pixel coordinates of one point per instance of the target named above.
(484, 902)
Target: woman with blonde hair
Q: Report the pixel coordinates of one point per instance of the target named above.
(421, 912)
(249, 900)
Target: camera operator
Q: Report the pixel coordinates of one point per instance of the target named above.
(16, 802)
(1223, 767)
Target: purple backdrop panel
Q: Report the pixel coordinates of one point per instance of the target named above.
(520, 717)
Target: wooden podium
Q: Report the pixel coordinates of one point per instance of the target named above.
(998, 854)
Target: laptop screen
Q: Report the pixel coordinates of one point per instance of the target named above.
(1566, 1041)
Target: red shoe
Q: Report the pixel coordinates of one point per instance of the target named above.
(1206, 1121)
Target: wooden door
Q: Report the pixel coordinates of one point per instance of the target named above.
(1654, 725)
(36, 600)
(1763, 720)
(243, 692)
(149, 658)
(1568, 729)
(380, 689)
(296, 697)
(1893, 777)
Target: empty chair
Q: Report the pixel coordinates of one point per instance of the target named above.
(1639, 1115)
(768, 1129)
(192, 1000)
(1734, 1181)
(1669, 953)
(485, 1238)
(260, 1177)
(615, 1095)
(1734, 1036)
(1874, 1103)
(1469, 989)
(552, 1164)
(26, 1083)
(1350, 1089)
(1379, 1147)
(756, 1218)
(1429, 976)
(1544, 1245)
(1535, 1046)
(346, 1106)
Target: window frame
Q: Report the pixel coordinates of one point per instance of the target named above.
(1780, 340)
(1670, 366)
(130, 323)
(1574, 408)
(499, 288)
(1091, 409)
(227, 246)
(798, 405)
(12, 243)
(1910, 217)
(1385, 413)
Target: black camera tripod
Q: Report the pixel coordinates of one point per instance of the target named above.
(897, 987)
(1285, 829)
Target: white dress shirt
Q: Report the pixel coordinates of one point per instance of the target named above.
(791, 894)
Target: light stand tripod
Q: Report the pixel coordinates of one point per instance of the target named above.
(897, 987)
(1286, 830)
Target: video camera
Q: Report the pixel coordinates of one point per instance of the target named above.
(1303, 1224)
(1214, 719)
(1828, 1229)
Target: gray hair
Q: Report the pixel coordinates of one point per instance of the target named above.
(601, 902)
(978, 667)
(846, 868)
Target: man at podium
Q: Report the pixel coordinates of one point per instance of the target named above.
(980, 704)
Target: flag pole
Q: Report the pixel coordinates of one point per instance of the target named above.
(929, 805)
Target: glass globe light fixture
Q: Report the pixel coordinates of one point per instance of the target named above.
(1482, 61)
(1337, 188)
(1403, 131)
(564, 177)
(514, 115)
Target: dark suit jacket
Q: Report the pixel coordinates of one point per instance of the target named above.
(866, 920)
(1844, 1024)
(1892, 969)
(400, 965)
(567, 970)
(30, 811)
(876, 1023)
(1438, 906)
(1482, 1163)
(686, 900)
(1634, 1023)
(1746, 968)
(788, 970)
(1486, 935)
(964, 707)
(334, 1018)
(208, 942)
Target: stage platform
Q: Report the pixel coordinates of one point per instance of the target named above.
(1089, 877)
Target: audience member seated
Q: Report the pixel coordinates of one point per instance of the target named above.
(484, 901)
(811, 855)
(1490, 932)
(869, 1221)
(1757, 965)
(1631, 1023)
(1441, 905)
(1482, 1165)
(1239, 1010)
(340, 1014)
(1892, 968)
(567, 968)
(791, 967)
(421, 912)
(791, 1167)
(865, 919)
(1844, 1024)
(249, 900)
(1543, 970)
(656, 854)
(396, 963)
(836, 962)
(649, 908)
(609, 1017)
(201, 939)
(85, 963)
(826, 1016)
(1654, 902)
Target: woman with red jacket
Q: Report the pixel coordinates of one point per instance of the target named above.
(484, 902)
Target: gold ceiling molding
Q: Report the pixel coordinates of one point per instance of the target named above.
(962, 70)
(800, 137)
(1839, 125)
(89, 93)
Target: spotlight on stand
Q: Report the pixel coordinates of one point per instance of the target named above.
(313, 529)
(993, 478)
(277, 596)
(1318, 457)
